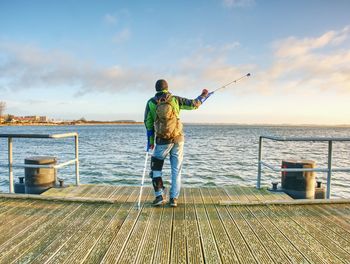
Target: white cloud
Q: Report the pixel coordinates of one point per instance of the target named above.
(29, 67)
(122, 36)
(313, 64)
(318, 63)
(117, 17)
(293, 46)
(110, 19)
(298, 66)
(238, 3)
(231, 46)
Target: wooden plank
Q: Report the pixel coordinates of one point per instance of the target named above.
(326, 223)
(193, 241)
(249, 196)
(178, 243)
(136, 238)
(238, 193)
(255, 245)
(339, 211)
(210, 250)
(64, 243)
(277, 245)
(82, 247)
(223, 243)
(268, 242)
(286, 246)
(57, 191)
(147, 249)
(317, 243)
(231, 193)
(26, 220)
(331, 243)
(73, 252)
(130, 215)
(277, 195)
(335, 221)
(259, 194)
(12, 239)
(86, 191)
(281, 240)
(301, 240)
(162, 252)
(15, 247)
(79, 191)
(102, 243)
(95, 191)
(40, 242)
(198, 231)
(96, 212)
(114, 190)
(87, 242)
(122, 194)
(13, 209)
(7, 204)
(68, 191)
(237, 240)
(331, 228)
(106, 192)
(265, 195)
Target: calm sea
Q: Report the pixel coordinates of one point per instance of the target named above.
(215, 155)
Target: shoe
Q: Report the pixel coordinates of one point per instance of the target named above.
(173, 202)
(159, 200)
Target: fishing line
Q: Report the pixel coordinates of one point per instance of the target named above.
(234, 81)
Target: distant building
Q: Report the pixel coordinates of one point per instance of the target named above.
(33, 118)
(30, 119)
(43, 119)
(23, 119)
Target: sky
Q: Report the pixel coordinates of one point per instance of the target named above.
(100, 59)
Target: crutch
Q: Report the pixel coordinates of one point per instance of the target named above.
(143, 180)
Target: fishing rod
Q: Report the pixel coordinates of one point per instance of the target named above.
(234, 81)
(227, 84)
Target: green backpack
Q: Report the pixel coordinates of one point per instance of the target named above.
(167, 125)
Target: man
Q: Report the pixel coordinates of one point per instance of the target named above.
(162, 121)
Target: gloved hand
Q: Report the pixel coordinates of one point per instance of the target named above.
(150, 147)
(204, 93)
(150, 140)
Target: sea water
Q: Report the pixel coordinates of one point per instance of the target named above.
(214, 155)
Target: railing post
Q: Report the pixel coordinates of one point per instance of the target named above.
(259, 164)
(329, 174)
(10, 161)
(77, 181)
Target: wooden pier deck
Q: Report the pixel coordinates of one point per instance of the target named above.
(199, 230)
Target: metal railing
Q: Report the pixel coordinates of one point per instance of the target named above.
(56, 166)
(328, 170)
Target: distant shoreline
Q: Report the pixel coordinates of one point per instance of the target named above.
(73, 124)
(106, 123)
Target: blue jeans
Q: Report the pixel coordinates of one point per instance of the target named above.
(176, 157)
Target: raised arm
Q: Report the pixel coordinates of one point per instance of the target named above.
(191, 104)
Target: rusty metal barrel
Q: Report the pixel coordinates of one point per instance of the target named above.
(38, 180)
(299, 185)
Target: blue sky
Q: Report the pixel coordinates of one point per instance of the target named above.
(100, 59)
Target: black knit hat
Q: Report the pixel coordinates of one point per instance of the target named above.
(161, 85)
